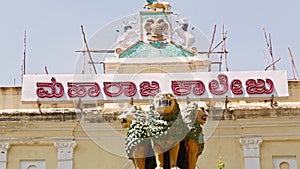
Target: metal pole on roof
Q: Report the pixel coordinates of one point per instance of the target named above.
(88, 50)
(224, 46)
(24, 64)
(295, 72)
(270, 48)
(23, 67)
(212, 41)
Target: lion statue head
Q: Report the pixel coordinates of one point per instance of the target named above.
(202, 115)
(127, 116)
(165, 103)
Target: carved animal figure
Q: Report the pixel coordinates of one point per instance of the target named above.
(127, 116)
(164, 6)
(164, 124)
(129, 36)
(160, 130)
(187, 38)
(194, 141)
(136, 141)
(127, 39)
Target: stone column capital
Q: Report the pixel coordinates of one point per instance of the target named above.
(70, 144)
(4, 146)
(3, 151)
(251, 146)
(65, 150)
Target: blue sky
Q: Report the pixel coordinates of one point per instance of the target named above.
(53, 31)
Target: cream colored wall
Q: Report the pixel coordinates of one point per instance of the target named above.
(294, 91)
(227, 148)
(10, 98)
(283, 147)
(19, 152)
(91, 156)
(34, 141)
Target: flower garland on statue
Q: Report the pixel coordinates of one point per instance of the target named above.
(194, 128)
(159, 123)
(166, 130)
(137, 133)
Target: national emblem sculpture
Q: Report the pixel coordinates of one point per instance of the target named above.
(156, 29)
(136, 141)
(161, 130)
(166, 128)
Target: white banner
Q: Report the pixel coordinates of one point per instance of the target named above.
(122, 87)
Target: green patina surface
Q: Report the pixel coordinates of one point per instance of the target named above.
(155, 49)
(165, 131)
(155, 15)
(151, 1)
(196, 134)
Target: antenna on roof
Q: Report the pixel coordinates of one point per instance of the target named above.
(212, 49)
(23, 67)
(272, 64)
(295, 72)
(88, 50)
(212, 41)
(266, 58)
(46, 70)
(224, 48)
(270, 48)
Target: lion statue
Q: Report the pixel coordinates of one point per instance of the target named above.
(164, 129)
(165, 124)
(164, 6)
(154, 5)
(194, 118)
(136, 142)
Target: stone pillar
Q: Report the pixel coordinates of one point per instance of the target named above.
(65, 154)
(251, 149)
(3, 154)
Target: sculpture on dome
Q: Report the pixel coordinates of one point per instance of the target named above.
(129, 35)
(187, 38)
(156, 29)
(154, 5)
(161, 130)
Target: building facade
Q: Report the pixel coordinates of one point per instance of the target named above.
(59, 129)
(55, 136)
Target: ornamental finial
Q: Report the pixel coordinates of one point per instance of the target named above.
(154, 5)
